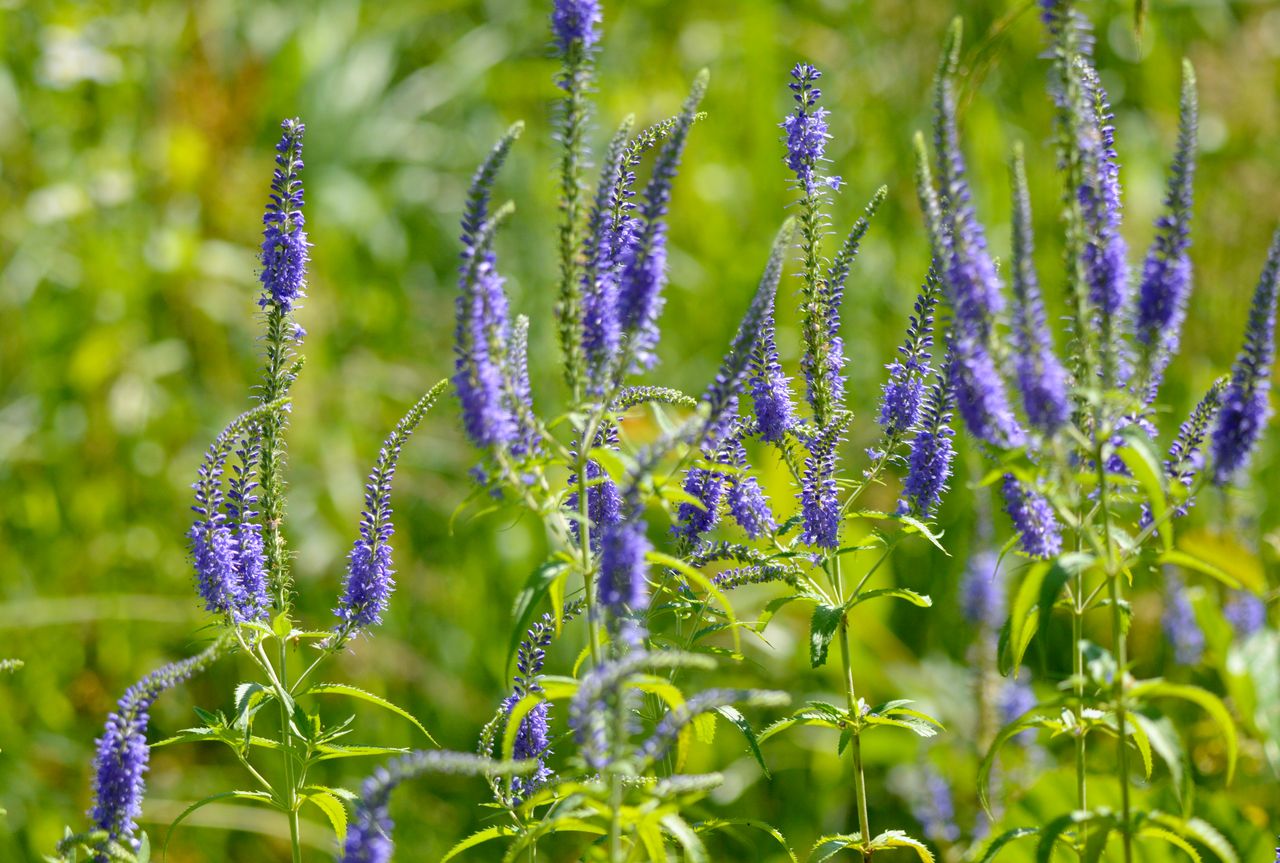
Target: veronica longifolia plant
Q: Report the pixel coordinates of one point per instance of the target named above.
(1092, 499)
(241, 564)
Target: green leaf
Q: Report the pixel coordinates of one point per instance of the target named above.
(362, 695)
(328, 803)
(829, 846)
(734, 716)
(1151, 832)
(1206, 700)
(1024, 618)
(281, 626)
(529, 600)
(679, 829)
(256, 796)
(822, 628)
(334, 751)
(694, 576)
(1054, 831)
(916, 599)
(1166, 743)
(1199, 830)
(1004, 839)
(1204, 567)
(1142, 460)
(515, 716)
(899, 839)
(1022, 723)
(498, 831)
(723, 823)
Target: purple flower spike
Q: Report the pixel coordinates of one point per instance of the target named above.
(284, 241)
(576, 22)
(904, 392)
(819, 495)
(1166, 272)
(807, 131)
(120, 763)
(770, 388)
(749, 506)
(1246, 613)
(483, 333)
(1041, 376)
(1039, 533)
(1246, 404)
(982, 590)
(369, 574)
(932, 451)
(623, 583)
(1105, 251)
(694, 520)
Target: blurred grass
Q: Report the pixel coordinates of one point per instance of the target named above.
(134, 159)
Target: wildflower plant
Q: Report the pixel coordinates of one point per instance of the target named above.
(241, 563)
(1091, 497)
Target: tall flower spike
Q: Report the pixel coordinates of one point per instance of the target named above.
(1166, 272)
(819, 494)
(122, 753)
(806, 130)
(369, 574)
(770, 387)
(1039, 533)
(904, 391)
(721, 396)
(1105, 249)
(576, 26)
(284, 239)
(604, 500)
(520, 392)
(483, 327)
(1246, 404)
(748, 503)
(828, 376)
(973, 288)
(644, 272)
(1041, 376)
(932, 450)
(609, 237)
(369, 836)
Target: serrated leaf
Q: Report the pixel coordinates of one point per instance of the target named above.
(1004, 839)
(256, 796)
(822, 628)
(362, 695)
(829, 846)
(1150, 832)
(1166, 743)
(723, 823)
(498, 831)
(1142, 460)
(515, 716)
(1206, 700)
(328, 803)
(899, 839)
(1022, 723)
(735, 717)
(917, 599)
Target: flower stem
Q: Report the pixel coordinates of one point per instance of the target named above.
(286, 739)
(855, 717)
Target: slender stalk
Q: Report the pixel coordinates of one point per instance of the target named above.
(584, 536)
(1121, 650)
(855, 738)
(287, 740)
(615, 781)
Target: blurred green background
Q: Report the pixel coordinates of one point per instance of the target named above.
(135, 153)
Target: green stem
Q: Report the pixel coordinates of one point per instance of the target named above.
(584, 536)
(855, 737)
(286, 739)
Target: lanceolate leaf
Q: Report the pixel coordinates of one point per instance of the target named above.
(498, 831)
(826, 620)
(253, 796)
(1206, 700)
(355, 692)
(328, 803)
(726, 823)
(1004, 839)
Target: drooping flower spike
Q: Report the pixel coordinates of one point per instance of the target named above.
(1246, 403)
(369, 836)
(369, 581)
(122, 755)
(1166, 272)
(284, 238)
(1041, 376)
